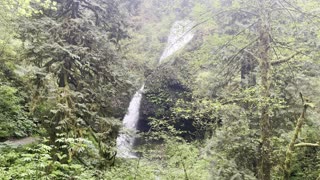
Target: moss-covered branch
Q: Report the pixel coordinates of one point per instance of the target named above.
(291, 145)
(307, 145)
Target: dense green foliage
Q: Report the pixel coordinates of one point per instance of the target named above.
(240, 101)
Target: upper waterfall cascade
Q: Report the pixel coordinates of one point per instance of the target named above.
(180, 34)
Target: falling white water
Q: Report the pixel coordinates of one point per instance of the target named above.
(125, 141)
(180, 34)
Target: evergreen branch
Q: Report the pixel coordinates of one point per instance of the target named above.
(253, 55)
(290, 14)
(300, 11)
(95, 13)
(283, 45)
(234, 36)
(48, 64)
(233, 57)
(81, 161)
(243, 49)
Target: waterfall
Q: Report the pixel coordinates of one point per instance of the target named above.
(180, 35)
(125, 141)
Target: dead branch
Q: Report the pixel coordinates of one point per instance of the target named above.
(307, 145)
(278, 62)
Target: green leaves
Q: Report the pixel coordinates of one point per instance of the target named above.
(24, 7)
(13, 120)
(38, 162)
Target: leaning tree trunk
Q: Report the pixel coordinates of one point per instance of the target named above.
(291, 146)
(264, 171)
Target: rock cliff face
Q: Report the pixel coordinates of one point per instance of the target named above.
(167, 84)
(163, 88)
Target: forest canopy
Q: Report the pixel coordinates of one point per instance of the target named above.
(159, 89)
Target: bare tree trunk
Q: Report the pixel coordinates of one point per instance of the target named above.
(264, 172)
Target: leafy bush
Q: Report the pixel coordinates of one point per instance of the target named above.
(13, 119)
(38, 163)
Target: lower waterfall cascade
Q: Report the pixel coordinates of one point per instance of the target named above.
(126, 140)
